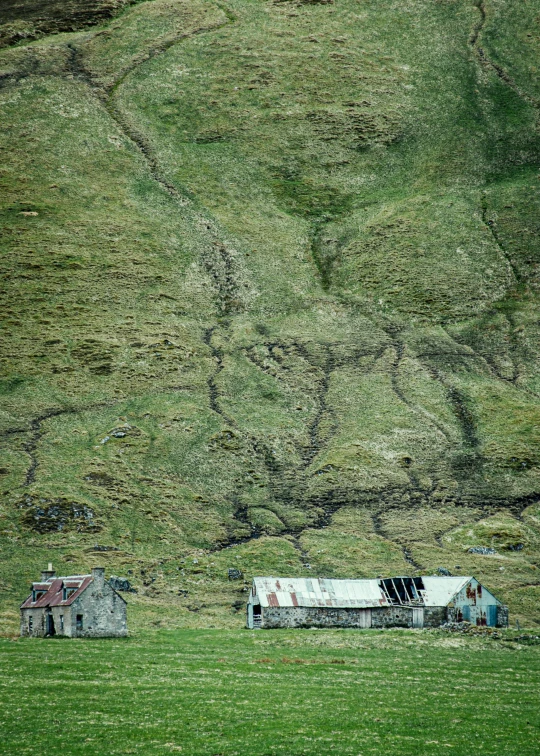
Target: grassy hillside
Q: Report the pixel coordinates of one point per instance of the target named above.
(271, 295)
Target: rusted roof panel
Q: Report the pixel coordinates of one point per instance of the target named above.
(54, 588)
(324, 592)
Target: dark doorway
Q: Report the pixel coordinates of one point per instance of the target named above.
(50, 625)
(256, 615)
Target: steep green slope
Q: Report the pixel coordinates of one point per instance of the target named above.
(272, 298)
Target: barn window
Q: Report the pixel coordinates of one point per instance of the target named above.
(79, 622)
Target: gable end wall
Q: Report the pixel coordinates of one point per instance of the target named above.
(103, 610)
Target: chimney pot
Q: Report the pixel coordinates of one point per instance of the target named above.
(48, 574)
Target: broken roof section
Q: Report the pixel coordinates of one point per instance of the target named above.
(359, 594)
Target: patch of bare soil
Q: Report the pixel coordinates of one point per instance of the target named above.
(30, 19)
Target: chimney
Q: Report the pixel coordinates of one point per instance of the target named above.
(48, 574)
(98, 573)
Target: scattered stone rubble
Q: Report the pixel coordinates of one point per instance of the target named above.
(465, 628)
(485, 550)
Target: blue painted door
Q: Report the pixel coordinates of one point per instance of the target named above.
(491, 615)
(466, 612)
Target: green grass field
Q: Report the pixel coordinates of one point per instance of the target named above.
(239, 693)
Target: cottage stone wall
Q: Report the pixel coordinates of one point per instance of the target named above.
(103, 612)
(60, 614)
(38, 623)
(62, 617)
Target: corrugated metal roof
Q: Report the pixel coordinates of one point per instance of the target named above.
(54, 591)
(333, 593)
(324, 592)
(439, 591)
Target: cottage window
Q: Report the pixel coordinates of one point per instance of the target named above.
(36, 595)
(61, 622)
(30, 623)
(79, 622)
(68, 592)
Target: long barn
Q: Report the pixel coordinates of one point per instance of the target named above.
(387, 602)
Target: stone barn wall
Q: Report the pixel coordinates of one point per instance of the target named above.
(297, 616)
(435, 616)
(394, 616)
(502, 616)
(391, 616)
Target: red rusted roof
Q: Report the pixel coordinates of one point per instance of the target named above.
(54, 588)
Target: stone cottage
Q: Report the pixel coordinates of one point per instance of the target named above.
(387, 602)
(77, 606)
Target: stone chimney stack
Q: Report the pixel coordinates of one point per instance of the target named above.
(98, 573)
(48, 574)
